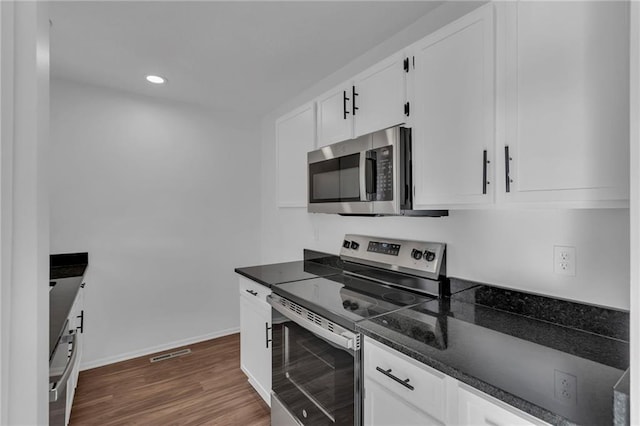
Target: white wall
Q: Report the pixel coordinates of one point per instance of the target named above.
(24, 224)
(510, 248)
(635, 211)
(163, 196)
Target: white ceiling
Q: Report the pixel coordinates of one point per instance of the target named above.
(240, 56)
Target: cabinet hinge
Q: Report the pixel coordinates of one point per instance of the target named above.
(406, 109)
(406, 65)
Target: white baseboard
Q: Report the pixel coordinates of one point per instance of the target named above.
(154, 349)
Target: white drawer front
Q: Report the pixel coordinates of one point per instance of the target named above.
(252, 288)
(429, 385)
(478, 408)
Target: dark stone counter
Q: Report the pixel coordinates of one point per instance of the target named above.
(485, 338)
(314, 265)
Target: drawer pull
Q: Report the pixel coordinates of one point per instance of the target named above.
(387, 373)
(255, 293)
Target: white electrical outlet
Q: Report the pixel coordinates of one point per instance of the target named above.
(564, 260)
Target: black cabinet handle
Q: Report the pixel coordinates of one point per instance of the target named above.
(81, 316)
(353, 99)
(387, 373)
(254, 293)
(82, 285)
(344, 104)
(484, 171)
(266, 334)
(507, 162)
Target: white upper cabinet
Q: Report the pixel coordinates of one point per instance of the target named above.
(335, 123)
(295, 136)
(378, 96)
(373, 100)
(454, 102)
(566, 110)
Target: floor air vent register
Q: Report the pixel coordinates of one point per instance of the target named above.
(170, 355)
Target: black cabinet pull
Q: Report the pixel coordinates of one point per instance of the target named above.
(254, 293)
(81, 316)
(507, 162)
(484, 171)
(387, 373)
(266, 334)
(406, 109)
(353, 99)
(82, 285)
(344, 104)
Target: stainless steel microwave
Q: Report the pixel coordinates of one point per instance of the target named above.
(370, 175)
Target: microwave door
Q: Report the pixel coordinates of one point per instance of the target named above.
(336, 178)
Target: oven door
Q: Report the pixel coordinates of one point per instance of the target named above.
(337, 178)
(314, 380)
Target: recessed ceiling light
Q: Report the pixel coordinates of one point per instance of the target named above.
(155, 79)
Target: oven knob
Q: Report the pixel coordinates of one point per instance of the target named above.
(429, 255)
(354, 306)
(416, 254)
(346, 304)
(354, 245)
(346, 244)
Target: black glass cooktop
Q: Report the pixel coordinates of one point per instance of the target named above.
(345, 299)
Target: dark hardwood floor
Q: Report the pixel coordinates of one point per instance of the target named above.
(205, 387)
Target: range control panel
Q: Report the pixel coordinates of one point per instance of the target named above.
(422, 258)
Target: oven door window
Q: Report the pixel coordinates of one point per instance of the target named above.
(336, 180)
(314, 379)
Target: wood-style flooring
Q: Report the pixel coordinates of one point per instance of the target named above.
(205, 387)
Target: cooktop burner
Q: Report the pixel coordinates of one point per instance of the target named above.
(345, 299)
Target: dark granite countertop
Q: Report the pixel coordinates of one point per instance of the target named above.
(514, 355)
(315, 264)
(66, 271)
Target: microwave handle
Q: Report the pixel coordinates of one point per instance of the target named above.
(370, 178)
(363, 176)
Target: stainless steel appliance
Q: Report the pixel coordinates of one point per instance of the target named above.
(61, 365)
(369, 175)
(316, 360)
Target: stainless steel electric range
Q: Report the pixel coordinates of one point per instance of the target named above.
(316, 359)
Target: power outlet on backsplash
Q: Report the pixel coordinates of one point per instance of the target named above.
(564, 260)
(566, 387)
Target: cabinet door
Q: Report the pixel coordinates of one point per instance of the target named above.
(335, 120)
(567, 101)
(295, 136)
(378, 96)
(475, 409)
(454, 105)
(255, 345)
(385, 408)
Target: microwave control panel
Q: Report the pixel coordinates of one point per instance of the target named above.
(384, 173)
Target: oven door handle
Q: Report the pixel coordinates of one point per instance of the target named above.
(57, 387)
(345, 340)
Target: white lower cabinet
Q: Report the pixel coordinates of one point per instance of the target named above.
(75, 322)
(384, 407)
(476, 408)
(400, 391)
(255, 336)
